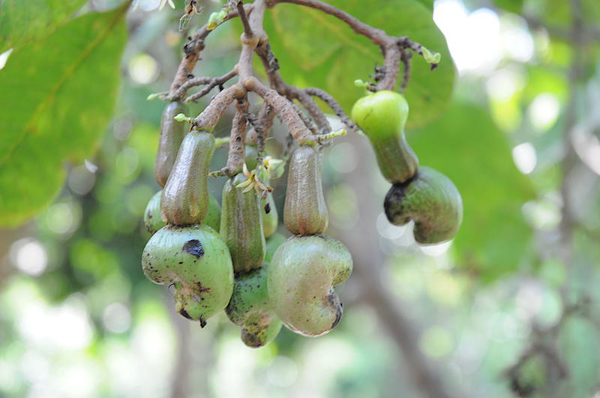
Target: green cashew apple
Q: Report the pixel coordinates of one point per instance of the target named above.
(153, 222)
(196, 261)
(251, 309)
(241, 227)
(382, 117)
(305, 211)
(431, 200)
(171, 135)
(185, 198)
(300, 281)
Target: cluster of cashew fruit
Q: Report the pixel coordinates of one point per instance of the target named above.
(232, 258)
(420, 194)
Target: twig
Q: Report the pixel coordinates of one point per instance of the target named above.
(209, 118)
(192, 51)
(334, 105)
(210, 82)
(210, 85)
(237, 146)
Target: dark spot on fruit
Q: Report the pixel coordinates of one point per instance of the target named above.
(181, 262)
(149, 215)
(193, 247)
(202, 322)
(185, 314)
(267, 208)
(202, 289)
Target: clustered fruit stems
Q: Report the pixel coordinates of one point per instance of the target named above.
(306, 123)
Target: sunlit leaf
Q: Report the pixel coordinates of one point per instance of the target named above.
(22, 21)
(57, 97)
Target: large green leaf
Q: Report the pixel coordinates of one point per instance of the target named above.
(466, 146)
(315, 49)
(57, 97)
(23, 21)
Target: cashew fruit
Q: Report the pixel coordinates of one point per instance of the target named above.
(382, 117)
(184, 199)
(270, 217)
(196, 261)
(431, 200)
(300, 281)
(241, 227)
(153, 222)
(305, 211)
(171, 135)
(251, 309)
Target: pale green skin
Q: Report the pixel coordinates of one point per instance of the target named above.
(382, 117)
(300, 281)
(431, 200)
(251, 309)
(273, 243)
(251, 156)
(153, 222)
(270, 219)
(171, 135)
(305, 211)
(241, 226)
(203, 279)
(184, 199)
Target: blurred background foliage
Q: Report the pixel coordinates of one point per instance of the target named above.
(509, 308)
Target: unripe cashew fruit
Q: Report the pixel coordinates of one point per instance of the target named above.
(251, 156)
(269, 215)
(153, 222)
(431, 200)
(241, 227)
(382, 117)
(171, 135)
(251, 309)
(305, 211)
(301, 277)
(196, 261)
(184, 199)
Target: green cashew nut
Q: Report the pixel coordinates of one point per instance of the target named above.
(305, 211)
(196, 261)
(251, 309)
(301, 277)
(431, 200)
(171, 135)
(382, 117)
(184, 199)
(153, 222)
(241, 227)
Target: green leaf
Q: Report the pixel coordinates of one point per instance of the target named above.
(315, 49)
(22, 21)
(466, 146)
(58, 95)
